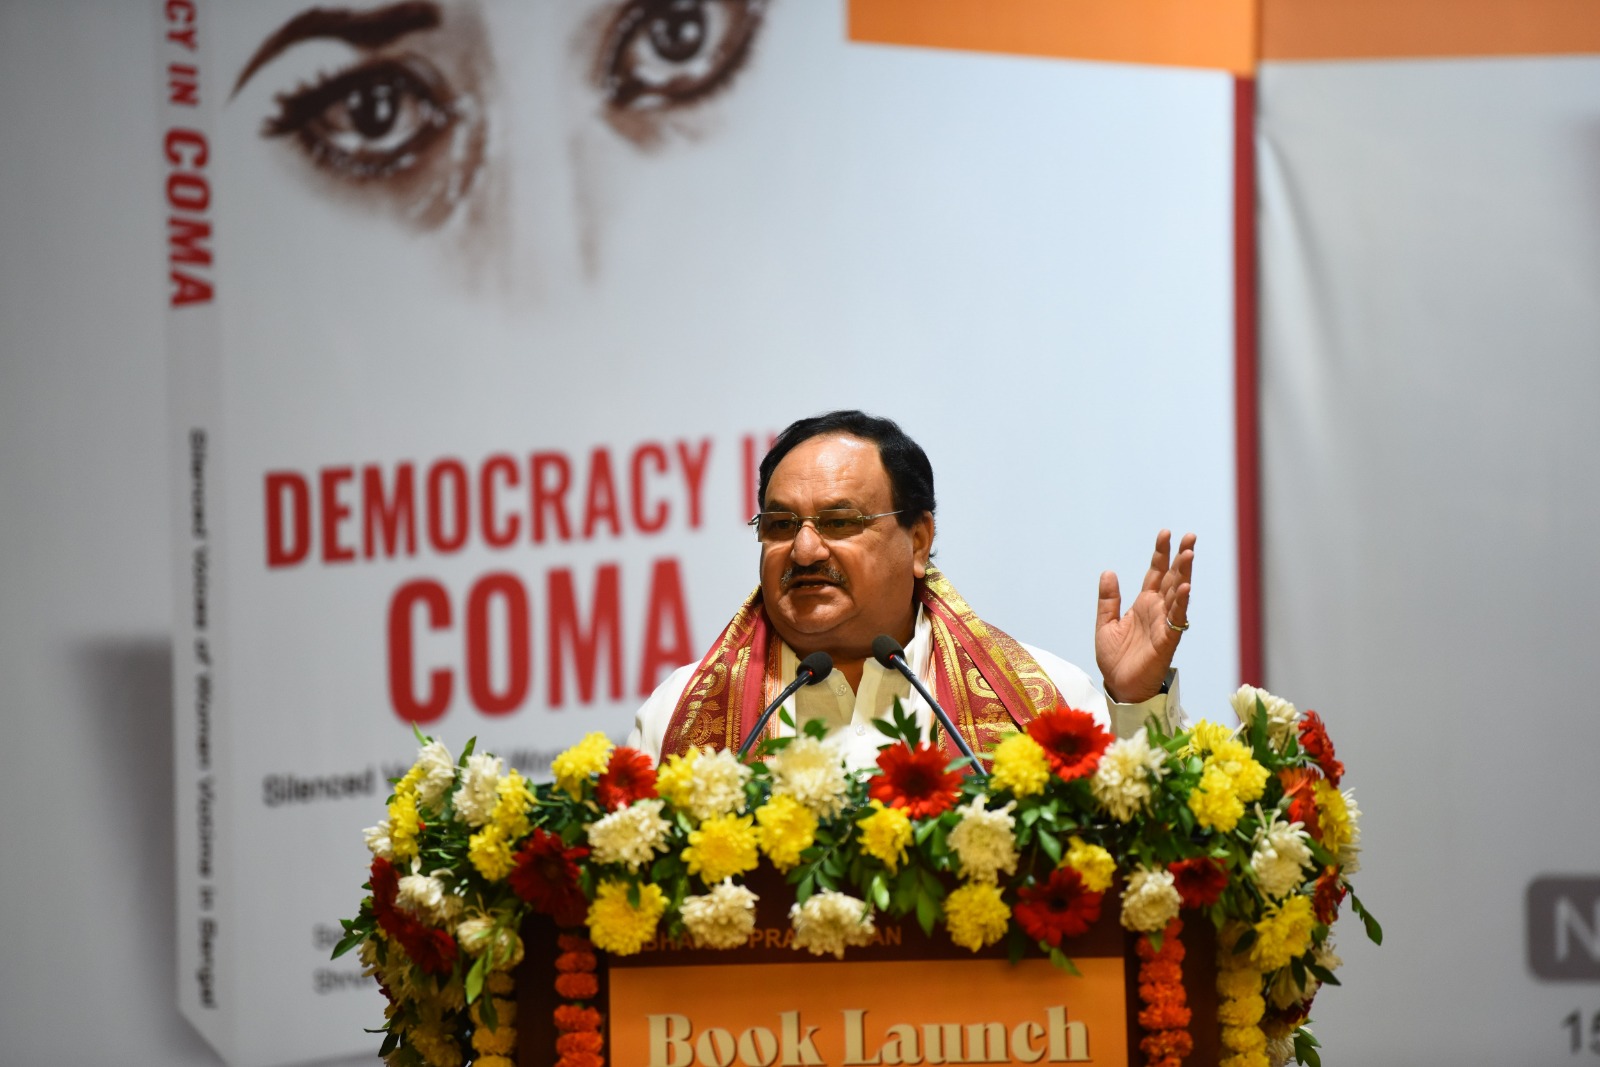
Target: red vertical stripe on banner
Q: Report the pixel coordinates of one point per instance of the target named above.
(1247, 438)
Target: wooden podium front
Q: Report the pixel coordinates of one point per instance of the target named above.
(904, 999)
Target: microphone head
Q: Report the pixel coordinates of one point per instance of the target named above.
(884, 648)
(820, 664)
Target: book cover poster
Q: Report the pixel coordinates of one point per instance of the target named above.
(481, 315)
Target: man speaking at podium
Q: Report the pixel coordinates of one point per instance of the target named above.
(846, 529)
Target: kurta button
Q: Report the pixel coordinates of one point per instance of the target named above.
(861, 731)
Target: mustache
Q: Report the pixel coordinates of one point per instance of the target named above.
(815, 570)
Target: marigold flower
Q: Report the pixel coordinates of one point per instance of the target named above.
(1236, 760)
(577, 986)
(984, 842)
(501, 1041)
(581, 1041)
(617, 926)
(1241, 1011)
(1059, 907)
(1072, 741)
(404, 826)
(571, 1019)
(629, 776)
(1094, 863)
(721, 847)
(784, 829)
(722, 918)
(829, 922)
(975, 915)
(584, 760)
(1283, 933)
(1020, 767)
(1215, 802)
(885, 834)
(1206, 736)
(915, 779)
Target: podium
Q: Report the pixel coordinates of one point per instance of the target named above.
(907, 998)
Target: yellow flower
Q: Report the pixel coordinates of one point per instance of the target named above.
(1093, 864)
(582, 761)
(1237, 982)
(1244, 1040)
(1283, 933)
(975, 915)
(1236, 760)
(1333, 815)
(675, 778)
(1206, 736)
(490, 852)
(1241, 1011)
(785, 828)
(404, 823)
(722, 847)
(885, 834)
(616, 925)
(1215, 802)
(1246, 1059)
(490, 848)
(1020, 766)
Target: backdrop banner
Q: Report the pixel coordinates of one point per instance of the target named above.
(481, 316)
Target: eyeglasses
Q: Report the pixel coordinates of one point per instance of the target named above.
(835, 524)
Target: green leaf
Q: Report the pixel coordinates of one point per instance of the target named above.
(927, 913)
(1155, 937)
(886, 729)
(1305, 1048)
(475, 977)
(491, 1018)
(803, 891)
(879, 892)
(1374, 931)
(1322, 974)
(1051, 845)
(1246, 939)
(348, 942)
(1061, 960)
(921, 834)
(390, 1040)
(472, 743)
(421, 740)
(1030, 816)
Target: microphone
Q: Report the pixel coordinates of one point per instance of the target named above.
(813, 669)
(887, 651)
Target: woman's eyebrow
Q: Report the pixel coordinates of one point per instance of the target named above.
(364, 29)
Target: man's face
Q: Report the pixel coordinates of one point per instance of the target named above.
(836, 596)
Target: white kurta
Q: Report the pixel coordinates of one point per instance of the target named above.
(848, 715)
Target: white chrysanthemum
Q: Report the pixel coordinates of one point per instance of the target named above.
(813, 773)
(480, 781)
(722, 918)
(631, 835)
(422, 895)
(716, 785)
(829, 922)
(438, 772)
(1128, 768)
(1350, 854)
(1280, 1050)
(1280, 859)
(1285, 992)
(480, 933)
(985, 842)
(1151, 900)
(1282, 718)
(378, 842)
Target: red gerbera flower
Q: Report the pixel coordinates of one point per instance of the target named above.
(915, 779)
(432, 950)
(1072, 741)
(546, 876)
(1328, 895)
(1297, 786)
(1199, 881)
(1057, 908)
(385, 883)
(628, 777)
(1314, 739)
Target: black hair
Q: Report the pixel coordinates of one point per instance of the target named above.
(910, 473)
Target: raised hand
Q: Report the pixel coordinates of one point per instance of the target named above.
(1134, 649)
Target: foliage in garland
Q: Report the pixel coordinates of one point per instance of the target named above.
(1244, 827)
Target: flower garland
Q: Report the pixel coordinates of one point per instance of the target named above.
(1165, 1015)
(1245, 827)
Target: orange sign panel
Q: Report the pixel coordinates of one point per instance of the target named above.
(866, 1013)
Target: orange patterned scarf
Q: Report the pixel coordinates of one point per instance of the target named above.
(985, 680)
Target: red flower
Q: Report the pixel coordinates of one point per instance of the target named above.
(577, 986)
(1298, 787)
(1328, 895)
(628, 777)
(1199, 881)
(571, 1019)
(915, 779)
(1072, 741)
(1057, 908)
(567, 1044)
(546, 876)
(1314, 739)
(432, 950)
(385, 883)
(574, 943)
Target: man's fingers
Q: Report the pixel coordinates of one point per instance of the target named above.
(1109, 606)
(1159, 561)
(1178, 605)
